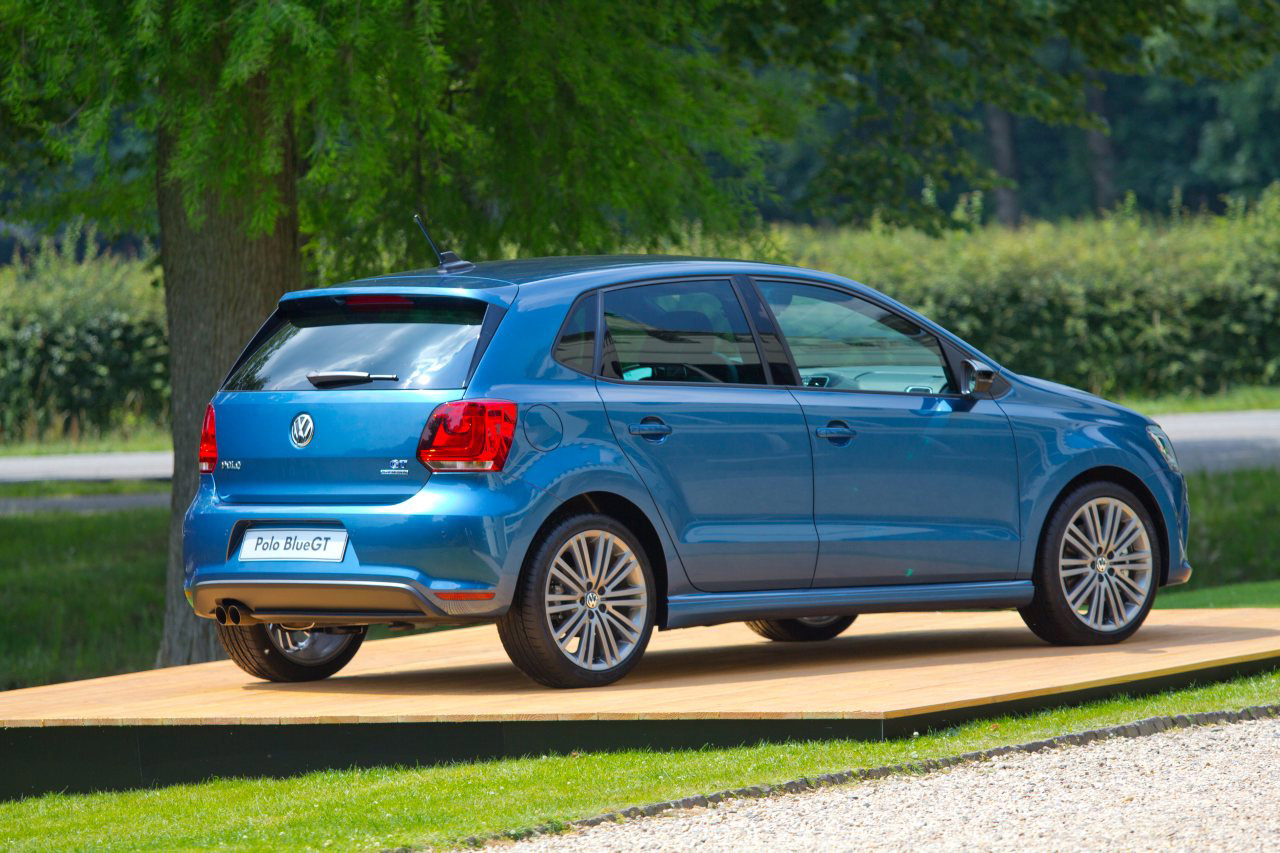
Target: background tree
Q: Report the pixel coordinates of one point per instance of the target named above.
(258, 125)
(908, 78)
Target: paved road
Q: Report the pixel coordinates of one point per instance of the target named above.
(1210, 788)
(87, 466)
(1225, 441)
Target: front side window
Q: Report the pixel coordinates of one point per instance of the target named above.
(692, 331)
(844, 342)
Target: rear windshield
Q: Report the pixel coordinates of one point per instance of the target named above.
(424, 342)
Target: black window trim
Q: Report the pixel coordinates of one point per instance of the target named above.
(725, 277)
(595, 340)
(493, 315)
(951, 357)
(745, 287)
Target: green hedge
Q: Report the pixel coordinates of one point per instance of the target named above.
(1116, 306)
(82, 342)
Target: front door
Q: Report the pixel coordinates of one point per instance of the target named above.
(913, 483)
(725, 455)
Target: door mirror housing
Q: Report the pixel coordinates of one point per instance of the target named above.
(977, 378)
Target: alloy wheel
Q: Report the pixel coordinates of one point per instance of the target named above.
(1105, 564)
(306, 646)
(596, 600)
(819, 621)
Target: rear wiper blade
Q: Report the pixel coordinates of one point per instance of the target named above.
(332, 378)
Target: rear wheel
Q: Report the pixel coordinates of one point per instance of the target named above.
(1097, 570)
(278, 653)
(584, 608)
(802, 630)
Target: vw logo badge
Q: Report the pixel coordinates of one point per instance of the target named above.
(302, 430)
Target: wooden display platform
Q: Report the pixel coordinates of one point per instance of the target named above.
(454, 696)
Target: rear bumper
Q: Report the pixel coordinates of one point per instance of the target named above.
(321, 601)
(459, 534)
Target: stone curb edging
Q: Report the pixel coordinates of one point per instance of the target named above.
(1141, 728)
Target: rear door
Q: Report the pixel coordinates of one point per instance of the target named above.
(292, 428)
(913, 483)
(725, 454)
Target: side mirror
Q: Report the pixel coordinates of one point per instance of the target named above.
(976, 379)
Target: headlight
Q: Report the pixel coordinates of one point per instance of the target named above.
(1164, 445)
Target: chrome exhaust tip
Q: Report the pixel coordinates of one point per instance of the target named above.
(220, 614)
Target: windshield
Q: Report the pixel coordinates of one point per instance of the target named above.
(424, 343)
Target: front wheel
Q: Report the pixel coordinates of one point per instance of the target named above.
(279, 653)
(1097, 570)
(805, 629)
(584, 608)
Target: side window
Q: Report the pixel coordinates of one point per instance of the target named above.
(691, 331)
(576, 347)
(841, 341)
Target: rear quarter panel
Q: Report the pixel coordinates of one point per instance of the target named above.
(563, 446)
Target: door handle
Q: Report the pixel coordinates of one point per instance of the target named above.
(837, 432)
(654, 429)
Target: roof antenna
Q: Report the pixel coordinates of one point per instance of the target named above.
(447, 261)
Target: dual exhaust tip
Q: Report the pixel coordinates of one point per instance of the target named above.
(232, 614)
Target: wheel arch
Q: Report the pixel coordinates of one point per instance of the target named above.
(635, 519)
(1130, 481)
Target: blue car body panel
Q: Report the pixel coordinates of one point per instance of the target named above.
(938, 501)
(903, 500)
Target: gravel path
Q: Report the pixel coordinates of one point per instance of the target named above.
(1203, 788)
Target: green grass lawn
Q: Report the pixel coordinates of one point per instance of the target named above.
(83, 594)
(77, 488)
(1236, 399)
(1235, 527)
(436, 806)
(1257, 594)
(134, 439)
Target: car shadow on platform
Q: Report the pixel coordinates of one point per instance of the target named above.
(912, 654)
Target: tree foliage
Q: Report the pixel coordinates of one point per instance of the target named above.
(899, 80)
(554, 127)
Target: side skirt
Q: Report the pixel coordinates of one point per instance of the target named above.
(712, 608)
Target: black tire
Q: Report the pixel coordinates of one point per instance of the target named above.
(526, 630)
(798, 631)
(254, 651)
(1050, 614)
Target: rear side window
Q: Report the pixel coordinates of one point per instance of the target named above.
(576, 347)
(680, 332)
(424, 342)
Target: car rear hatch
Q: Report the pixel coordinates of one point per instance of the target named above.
(329, 400)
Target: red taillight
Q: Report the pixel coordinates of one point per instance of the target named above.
(374, 301)
(468, 435)
(208, 442)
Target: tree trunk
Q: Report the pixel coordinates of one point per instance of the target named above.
(219, 287)
(1004, 158)
(1102, 155)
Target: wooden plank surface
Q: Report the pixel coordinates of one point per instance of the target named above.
(885, 666)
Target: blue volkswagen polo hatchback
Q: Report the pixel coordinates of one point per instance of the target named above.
(585, 449)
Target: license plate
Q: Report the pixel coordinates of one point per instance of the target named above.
(278, 543)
